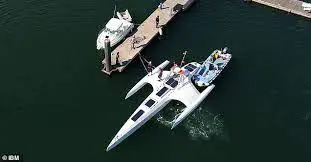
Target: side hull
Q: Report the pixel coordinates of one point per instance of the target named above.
(146, 80)
(193, 106)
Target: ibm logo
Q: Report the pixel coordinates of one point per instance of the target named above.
(10, 157)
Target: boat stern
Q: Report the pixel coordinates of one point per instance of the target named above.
(193, 106)
(100, 42)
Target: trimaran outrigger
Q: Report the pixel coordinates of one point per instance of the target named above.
(177, 84)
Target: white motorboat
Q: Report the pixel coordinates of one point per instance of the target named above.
(306, 6)
(211, 67)
(116, 29)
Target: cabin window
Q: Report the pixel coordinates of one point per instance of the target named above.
(150, 103)
(137, 115)
(202, 70)
(162, 91)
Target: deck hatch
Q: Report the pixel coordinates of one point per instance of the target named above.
(137, 115)
(162, 91)
(150, 103)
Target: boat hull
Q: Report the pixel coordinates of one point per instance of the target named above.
(204, 76)
(117, 140)
(193, 106)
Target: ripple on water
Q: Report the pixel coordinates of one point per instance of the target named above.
(9, 15)
(45, 16)
(306, 116)
(200, 124)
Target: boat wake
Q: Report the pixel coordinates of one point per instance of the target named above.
(201, 124)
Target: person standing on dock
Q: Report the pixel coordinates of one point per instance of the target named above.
(117, 59)
(157, 21)
(160, 74)
(133, 42)
(174, 66)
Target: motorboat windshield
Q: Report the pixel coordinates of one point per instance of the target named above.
(116, 30)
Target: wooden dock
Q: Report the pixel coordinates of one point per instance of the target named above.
(144, 34)
(291, 6)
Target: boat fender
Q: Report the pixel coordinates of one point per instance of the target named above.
(224, 51)
(160, 31)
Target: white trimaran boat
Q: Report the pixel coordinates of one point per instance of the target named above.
(116, 29)
(176, 84)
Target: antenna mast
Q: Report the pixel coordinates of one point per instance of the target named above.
(183, 58)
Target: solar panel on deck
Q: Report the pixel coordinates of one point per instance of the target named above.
(137, 115)
(162, 91)
(150, 103)
(170, 81)
(174, 84)
(189, 68)
(192, 66)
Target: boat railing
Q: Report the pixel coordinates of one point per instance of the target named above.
(117, 32)
(101, 30)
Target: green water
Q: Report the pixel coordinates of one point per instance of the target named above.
(56, 104)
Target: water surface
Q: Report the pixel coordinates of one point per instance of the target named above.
(56, 104)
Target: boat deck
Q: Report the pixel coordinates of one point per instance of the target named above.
(291, 6)
(144, 34)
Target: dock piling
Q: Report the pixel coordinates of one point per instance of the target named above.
(107, 55)
(160, 31)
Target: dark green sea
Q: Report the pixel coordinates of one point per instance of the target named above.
(57, 106)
